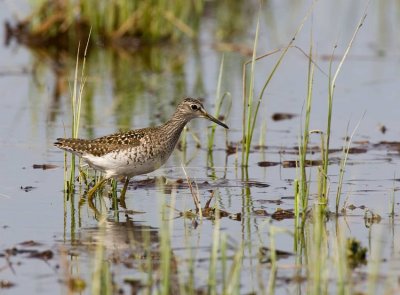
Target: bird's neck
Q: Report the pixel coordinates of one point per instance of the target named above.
(174, 126)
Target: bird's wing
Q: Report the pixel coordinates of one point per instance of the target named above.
(131, 138)
(100, 146)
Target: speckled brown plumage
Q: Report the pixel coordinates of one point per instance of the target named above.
(102, 145)
(137, 151)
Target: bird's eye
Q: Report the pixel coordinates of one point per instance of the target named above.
(194, 107)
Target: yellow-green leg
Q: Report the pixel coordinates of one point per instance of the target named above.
(123, 192)
(91, 192)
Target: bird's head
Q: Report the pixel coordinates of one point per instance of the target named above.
(191, 108)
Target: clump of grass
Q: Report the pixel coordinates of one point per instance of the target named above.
(251, 103)
(120, 22)
(302, 188)
(76, 102)
(331, 90)
(302, 184)
(343, 162)
(219, 100)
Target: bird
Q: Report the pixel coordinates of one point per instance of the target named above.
(135, 152)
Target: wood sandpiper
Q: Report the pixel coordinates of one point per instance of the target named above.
(135, 152)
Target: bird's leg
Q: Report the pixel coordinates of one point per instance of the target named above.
(91, 192)
(123, 192)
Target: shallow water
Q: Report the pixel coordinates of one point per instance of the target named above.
(141, 89)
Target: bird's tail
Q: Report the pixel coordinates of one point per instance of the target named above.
(72, 145)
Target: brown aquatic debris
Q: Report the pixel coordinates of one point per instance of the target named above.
(45, 255)
(30, 243)
(4, 284)
(267, 164)
(261, 212)
(44, 166)
(294, 163)
(281, 214)
(27, 188)
(282, 116)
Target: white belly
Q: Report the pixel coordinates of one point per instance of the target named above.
(115, 165)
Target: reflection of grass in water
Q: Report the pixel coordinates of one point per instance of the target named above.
(160, 270)
(101, 275)
(142, 77)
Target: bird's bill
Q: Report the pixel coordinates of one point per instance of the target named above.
(215, 120)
